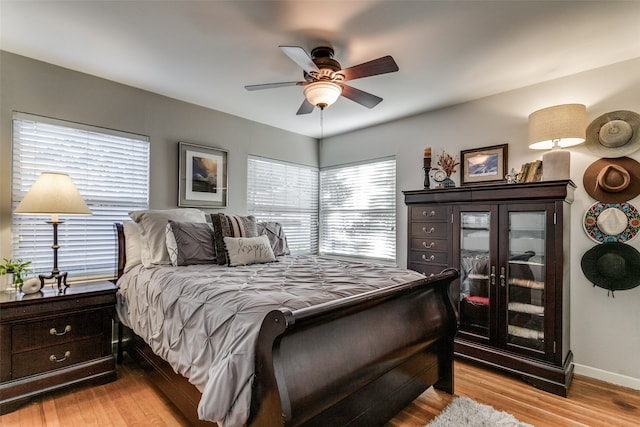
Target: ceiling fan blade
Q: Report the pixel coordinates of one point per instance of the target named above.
(300, 57)
(383, 65)
(360, 96)
(272, 85)
(305, 108)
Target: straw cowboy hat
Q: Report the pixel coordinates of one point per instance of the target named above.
(614, 134)
(612, 180)
(614, 266)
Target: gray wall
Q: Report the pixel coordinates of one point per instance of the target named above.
(605, 332)
(35, 87)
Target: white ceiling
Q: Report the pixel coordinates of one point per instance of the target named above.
(204, 52)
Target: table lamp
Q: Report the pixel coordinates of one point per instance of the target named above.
(554, 128)
(53, 194)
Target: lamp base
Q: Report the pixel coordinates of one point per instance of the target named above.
(556, 165)
(61, 279)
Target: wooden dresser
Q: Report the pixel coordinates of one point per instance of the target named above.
(510, 243)
(49, 341)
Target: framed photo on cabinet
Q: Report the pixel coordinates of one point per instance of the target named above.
(202, 176)
(484, 165)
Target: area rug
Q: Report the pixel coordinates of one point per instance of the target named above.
(464, 412)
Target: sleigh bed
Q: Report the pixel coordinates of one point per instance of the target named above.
(352, 359)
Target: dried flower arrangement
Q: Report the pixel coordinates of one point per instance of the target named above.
(447, 163)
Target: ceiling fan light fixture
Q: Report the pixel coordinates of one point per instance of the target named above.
(322, 94)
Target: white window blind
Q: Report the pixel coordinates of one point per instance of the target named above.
(286, 193)
(358, 210)
(111, 171)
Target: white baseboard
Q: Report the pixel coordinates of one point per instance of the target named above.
(606, 376)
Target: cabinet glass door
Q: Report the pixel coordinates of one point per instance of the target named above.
(475, 244)
(526, 280)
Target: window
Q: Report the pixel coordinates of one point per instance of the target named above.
(358, 210)
(109, 168)
(286, 193)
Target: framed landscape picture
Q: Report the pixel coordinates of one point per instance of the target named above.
(202, 176)
(484, 165)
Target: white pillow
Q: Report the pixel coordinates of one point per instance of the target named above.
(133, 251)
(248, 250)
(153, 224)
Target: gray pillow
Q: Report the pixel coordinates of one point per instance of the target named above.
(190, 243)
(152, 225)
(277, 238)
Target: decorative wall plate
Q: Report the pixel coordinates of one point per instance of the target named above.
(611, 222)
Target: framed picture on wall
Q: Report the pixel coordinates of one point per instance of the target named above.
(484, 165)
(203, 176)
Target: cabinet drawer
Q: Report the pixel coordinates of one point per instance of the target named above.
(427, 269)
(434, 230)
(430, 244)
(429, 213)
(55, 357)
(430, 257)
(56, 330)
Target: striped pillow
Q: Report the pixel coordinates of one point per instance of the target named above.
(231, 226)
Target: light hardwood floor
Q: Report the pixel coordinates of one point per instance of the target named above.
(131, 401)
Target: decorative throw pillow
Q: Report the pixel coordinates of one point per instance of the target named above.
(231, 226)
(133, 251)
(153, 224)
(190, 243)
(248, 250)
(277, 238)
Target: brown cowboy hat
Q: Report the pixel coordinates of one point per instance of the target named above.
(612, 180)
(614, 134)
(614, 266)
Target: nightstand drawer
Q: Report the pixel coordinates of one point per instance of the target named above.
(55, 357)
(56, 330)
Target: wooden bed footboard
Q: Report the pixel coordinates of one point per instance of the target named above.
(356, 361)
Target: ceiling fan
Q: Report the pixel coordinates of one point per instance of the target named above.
(324, 78)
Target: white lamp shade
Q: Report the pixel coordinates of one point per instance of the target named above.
(563, 124)
(321, 93)
(54, 194)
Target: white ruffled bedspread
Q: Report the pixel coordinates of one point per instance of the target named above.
(204, 319)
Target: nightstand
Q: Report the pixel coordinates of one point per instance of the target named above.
(49, 341)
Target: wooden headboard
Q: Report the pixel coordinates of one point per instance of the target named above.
(122, 252)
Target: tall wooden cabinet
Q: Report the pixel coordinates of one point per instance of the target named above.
(510, 243)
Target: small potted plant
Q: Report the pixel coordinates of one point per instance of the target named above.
(15, 270)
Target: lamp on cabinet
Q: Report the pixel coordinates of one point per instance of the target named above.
(53, 194)
(554, 128)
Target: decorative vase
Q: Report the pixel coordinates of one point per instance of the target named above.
(7, 282)
(448, 183)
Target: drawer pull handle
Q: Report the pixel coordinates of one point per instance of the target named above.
(54, 331)
(431, 258)
(53, 358)
(429, 246)
(432, 213)
(429, 231)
